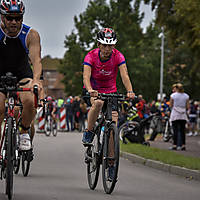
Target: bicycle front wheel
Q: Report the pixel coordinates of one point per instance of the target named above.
(48, 127)
(18, 158)
(110, 158)
(93, 162)
(9, 158)
(55, 130)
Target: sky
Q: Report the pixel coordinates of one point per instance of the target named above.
(54, 19)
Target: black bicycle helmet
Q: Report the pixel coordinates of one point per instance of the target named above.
(107, 36)
(12, 7)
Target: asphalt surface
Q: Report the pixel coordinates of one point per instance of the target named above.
(58, 172)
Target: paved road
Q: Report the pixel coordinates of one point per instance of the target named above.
(58, 173)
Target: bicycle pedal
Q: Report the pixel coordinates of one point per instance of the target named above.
(88, 159)
(87, 144)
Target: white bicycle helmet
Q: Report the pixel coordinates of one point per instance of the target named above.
(107, 36)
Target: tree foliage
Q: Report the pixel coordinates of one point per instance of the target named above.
(182, 24)
(70, 65)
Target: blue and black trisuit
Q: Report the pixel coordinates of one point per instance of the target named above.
(14, 54)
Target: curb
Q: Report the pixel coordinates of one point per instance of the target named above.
(181, 171)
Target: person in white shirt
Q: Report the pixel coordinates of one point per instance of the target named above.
(179, 103)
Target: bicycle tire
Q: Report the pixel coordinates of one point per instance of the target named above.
(108, 161)
(93, 166)
(123, 128)
(9, 157)
(18, 160)
(25, 163)
(55, 130)
(17, 165)
(47, 127)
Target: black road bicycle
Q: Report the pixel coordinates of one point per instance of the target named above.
(9, 149)
(50, 125)
(105, 147)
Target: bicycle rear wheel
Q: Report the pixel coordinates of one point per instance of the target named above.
(9, 158)
(110, 158)
(17, 165)
(93, 162)
(27, 157)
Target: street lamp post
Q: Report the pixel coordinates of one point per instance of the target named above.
(162, 63)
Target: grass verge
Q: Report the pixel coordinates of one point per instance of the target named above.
(161, 155)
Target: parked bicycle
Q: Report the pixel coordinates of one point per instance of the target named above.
(9, 147)
(167, 129)
(104, 148)
(134, 131)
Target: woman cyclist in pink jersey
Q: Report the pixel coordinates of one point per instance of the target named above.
(99, 76)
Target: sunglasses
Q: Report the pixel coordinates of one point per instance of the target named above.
(16, 18)
(109, 45)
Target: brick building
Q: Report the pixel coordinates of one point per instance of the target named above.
(52, 78)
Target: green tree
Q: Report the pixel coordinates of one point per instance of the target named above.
(70, 65)
(182, 24)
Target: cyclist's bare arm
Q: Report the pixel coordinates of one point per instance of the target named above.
(33, 44)
(86, 80)
(126, 80)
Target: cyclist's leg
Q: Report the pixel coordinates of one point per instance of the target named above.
(42, 92)
(2, 109)
(29, 111)
(94, 112)
(53, 116)
(92, 117)
(28, 114)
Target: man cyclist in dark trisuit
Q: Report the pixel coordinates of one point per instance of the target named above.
(18, 44)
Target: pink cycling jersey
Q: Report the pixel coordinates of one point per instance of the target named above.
(104, 73)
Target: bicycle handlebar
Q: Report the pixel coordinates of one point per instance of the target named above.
(9, 84)
(103, 96)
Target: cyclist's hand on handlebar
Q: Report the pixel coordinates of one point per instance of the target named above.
(130, 95)
(93, 93)
(38, 83)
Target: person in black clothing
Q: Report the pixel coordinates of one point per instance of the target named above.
(69, 114)
(83, 115)
(76, 106)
